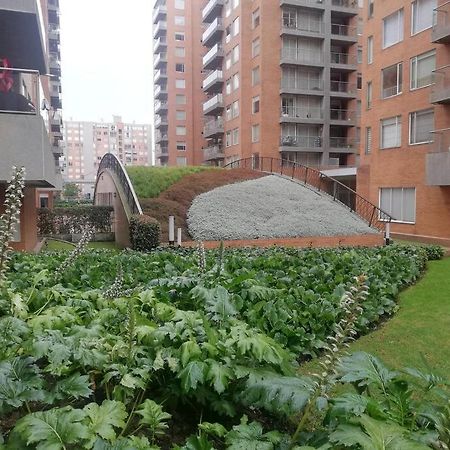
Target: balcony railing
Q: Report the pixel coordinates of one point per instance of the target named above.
(208, 10)
(306, 84)
(159, 105)
(314, 3)
(301, 112)
(438, 159)
(216, 101)
(213, 152)
(351, 4)
(302, 56)
(159, 12)
(160, 90)
(161, 58)
(159, 43)
(161, 137)
(343, 115)
(343, 30)
(160, 29)
(440, 91)
(20, 91)
(343, 143)
(301, 141)
(213, 127)
(214, 77)
(343, 59)
(213, 29)
(441, 24)
(215, 52)
(313, 26)
(343, 87)
(161, 73)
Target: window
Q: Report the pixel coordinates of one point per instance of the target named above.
(359, 81)
(400, 203)
(236, 26)
(227, 8)
(181, 146)
(227, 34)
(255, 133)
(393, 28)
(179, 20)
(235, 55)
(368, 146)
(228, 113)
(371, 8)
(179, 67)
(180, 99)
(422, 15)
(255, 104)
(369, 95)
(180, 84)
(359, 54)
(181, 160)
(228, 86)
(235, 109)
(228, 60)
(235, 136)
(235, 4)
(228, 139)
(255, 47)
(179, 36)
(255, 76)
(391, 80)
(236, 81)
(370, 50)
(421, 123)
(422, 67)
(179, 4)
(391, 132)
(181, 115)
(180, 52)
(255, 19)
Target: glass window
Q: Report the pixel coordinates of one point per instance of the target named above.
(181, 115)
(255, 76)
(371, 8)
(400, 203)
(235, 136)
(255, 133)
(180, 99)
(236, 81)
(359, 54)
(370, 50)
(422, 67)
(422, 15)
(180, 84)
(235, 3)
(235, 55)
(235, 109)
(236, 26)
(228, 139)
(392, 80)
(181, 160)
(255, 47)
(181, 146)
(421, 123)
(368, 146)
(179, 20)
(255, 18)
(180, 52)
(179, 4)
(255, 104)
(179, 67)
(391, 132)
(369, 95)
(179, 36)
(393, 28)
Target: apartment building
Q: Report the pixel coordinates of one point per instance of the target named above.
(405, 158)
(25, 110)
(87, 142)
(278, 79)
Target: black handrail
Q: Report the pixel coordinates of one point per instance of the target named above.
(112, 163)
(367, 211)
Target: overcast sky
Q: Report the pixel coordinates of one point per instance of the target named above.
(106, 57)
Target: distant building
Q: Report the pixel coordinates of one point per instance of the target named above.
(87, 142)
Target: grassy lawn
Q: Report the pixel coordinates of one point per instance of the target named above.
(149, 182)
(54, 245)
(419, 331)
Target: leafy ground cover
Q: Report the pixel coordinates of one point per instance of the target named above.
(53, 245)
(134, 351)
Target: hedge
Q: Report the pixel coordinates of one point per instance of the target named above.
(74, 219)
(145, 233)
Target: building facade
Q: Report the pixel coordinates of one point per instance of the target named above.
(277, 79)
(87, 142)
(26, 111)
(405, 158)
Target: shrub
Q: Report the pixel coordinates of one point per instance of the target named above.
(145, 233)
(434, 252)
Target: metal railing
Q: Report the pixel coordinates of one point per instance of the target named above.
(313, 26)
(216, 49)
(342, 86)
(213, 126)
(345, 3)
(301, 112)
(19, 91)
(112, 163)
(313, 178)
(343, 58)
(301, 141)
(213, 77)
(338, 29)
(342, 143)
(441, 17)
(307, 84)
(215, 25)
(343, 115)
(217, 100)
(213, 152)
(302, 56)
(441, 141)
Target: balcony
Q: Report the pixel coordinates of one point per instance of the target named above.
(316, 4)
(161, 138)
(343, 145)
(24, 137)
(160, 44)
(342, 89)
(53, 5)
(301, 114)
(343, 33)
(213, 34)
(213, 128)
(213, 153)
(214, 105)
(301, 57)
(291, 143)
(313, 27)
(441, 24)
(438, 161)
(345, 7)
(160, 106)
(160, 91)
(161, 121)
(212, 10)
(440, 90)
(343, 61)
(344, 117)
(213, 83)
(213, 59)
(54, 63)
(160, 76)
(160, 29)
(159, 13)
(160, 60)
(54, 32)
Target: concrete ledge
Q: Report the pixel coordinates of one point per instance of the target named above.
(444, 242)
(363, 240)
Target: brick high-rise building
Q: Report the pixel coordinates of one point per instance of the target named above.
(405, 158)
(277, 78)
(87, 142)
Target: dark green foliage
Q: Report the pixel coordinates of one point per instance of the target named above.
(434, 252)
(74, 219)
(145, 233)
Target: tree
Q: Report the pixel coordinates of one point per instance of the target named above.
(71, 191)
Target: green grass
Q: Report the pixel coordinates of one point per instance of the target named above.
(419, 331)
(149, 182)
(55, 245)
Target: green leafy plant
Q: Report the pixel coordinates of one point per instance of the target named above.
(144, 233)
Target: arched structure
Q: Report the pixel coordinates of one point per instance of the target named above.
(113, 187)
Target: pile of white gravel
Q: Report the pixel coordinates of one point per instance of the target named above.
(269, 207)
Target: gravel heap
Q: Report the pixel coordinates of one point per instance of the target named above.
(269, 207)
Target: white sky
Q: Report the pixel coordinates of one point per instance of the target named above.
(106, 57)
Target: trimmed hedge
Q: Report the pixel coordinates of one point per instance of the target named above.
(74, 219)
(145, 233)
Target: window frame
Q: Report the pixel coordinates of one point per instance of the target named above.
(403, 188)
